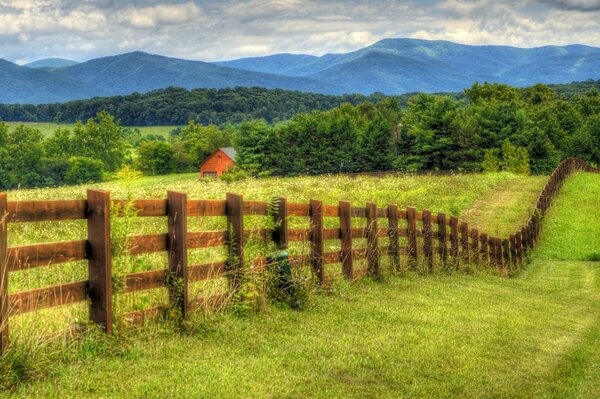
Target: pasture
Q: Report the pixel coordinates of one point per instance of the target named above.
(439, 335)
(48, 128)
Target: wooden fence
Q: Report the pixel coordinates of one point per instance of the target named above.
(450, 244)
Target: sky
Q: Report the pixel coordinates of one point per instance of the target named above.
(212, 30)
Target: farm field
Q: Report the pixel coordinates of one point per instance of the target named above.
(48, 128)
(440, 335)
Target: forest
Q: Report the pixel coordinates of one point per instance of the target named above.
(489, 127)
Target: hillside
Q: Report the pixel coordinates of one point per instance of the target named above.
(50, 63)
(391, 66)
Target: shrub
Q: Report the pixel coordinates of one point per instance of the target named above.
(490, 162)
(156, 158)
(84, 170)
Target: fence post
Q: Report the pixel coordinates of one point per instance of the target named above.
(411, 219)
(519, 248)
(475, 246)
(484, 249)
(506, 254)
(372, 245)
(280, 232)
(443, 249)
(177, 283)
(100, 259)
(316, 239)
(346, 239)
(3, 273)
(454, 241)
(492, 251)
(513, 251)
(394, 250)
(464, 241)
(499, 257)
(427, 239)
(235, 239)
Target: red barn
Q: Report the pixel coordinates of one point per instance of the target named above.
(219, 162)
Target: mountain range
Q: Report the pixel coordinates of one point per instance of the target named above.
(390, 66)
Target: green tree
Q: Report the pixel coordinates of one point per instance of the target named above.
(515, 159)
(490, 162)
(84, 170)
(155, 158)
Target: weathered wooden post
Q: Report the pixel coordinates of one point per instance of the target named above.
(394, 250)
(100, 259)
(234, 209)
(475, 246)
(428, 239)
(316, 239)
(411, 218)
(280, 232)
(442, 238)
(177, 281)
(464, 242)
(346, 239)
(372, 247)
(484, 249)
(4, 331)
(454, 241)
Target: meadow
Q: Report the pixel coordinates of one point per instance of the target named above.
(436, 335)
(48, 128)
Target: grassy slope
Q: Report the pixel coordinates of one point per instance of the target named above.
(443, 335)
(48, 128)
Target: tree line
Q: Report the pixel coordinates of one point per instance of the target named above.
(490, 127)
(177, 106)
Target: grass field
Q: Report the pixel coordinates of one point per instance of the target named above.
(440, 335)
(48, 128)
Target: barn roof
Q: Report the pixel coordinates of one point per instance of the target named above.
(230, 152)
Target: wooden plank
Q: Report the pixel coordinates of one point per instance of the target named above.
(177, 279)
(29, 256)
(142, 208)
(280, 220)
(331, 211)
(235, 238)
(359, 232)
(42, 298)
(394, 246)
(443, 249)
(206, 239)
(316, 239)
(357, 212)
(298, 234)
(298, 209)
(258, 208)
(206, 208)
(372, 244)
(143, 281)
(147, 243)
(382, 213)
(40, 211)
(100, 259)
(4, 315)
(411, 221)
(332, 257)
(346, 239)
(207, 271)
(331, 234)
(428, 239)
(454, 241)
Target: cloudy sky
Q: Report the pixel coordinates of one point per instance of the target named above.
(220, 30)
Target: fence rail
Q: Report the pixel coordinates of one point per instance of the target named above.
(451, 244)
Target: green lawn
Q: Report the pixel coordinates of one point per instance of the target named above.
(48, 128)
(441, 335)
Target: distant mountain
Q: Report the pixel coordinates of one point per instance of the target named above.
(391, 66)
(51, 63)
(395, 66)
(19, 84)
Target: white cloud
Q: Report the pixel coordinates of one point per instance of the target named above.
(226, 29)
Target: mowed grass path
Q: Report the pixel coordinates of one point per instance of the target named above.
(535, 335)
